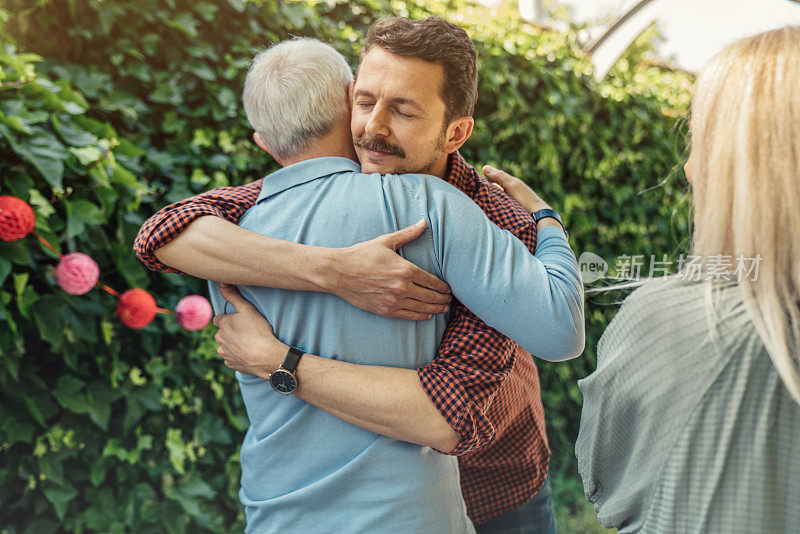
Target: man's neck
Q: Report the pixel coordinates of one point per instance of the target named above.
(335, 144)
(312, 154)
(439, 168)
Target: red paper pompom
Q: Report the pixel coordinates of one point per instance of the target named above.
(16, 218)
(194, 312)
(77, 273)
(136, 308)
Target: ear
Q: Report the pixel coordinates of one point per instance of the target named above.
(263, 146)
(457, 133)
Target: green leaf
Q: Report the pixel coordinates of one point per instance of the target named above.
(15, 251)
(123, 176)
(40, 204)
(20, 281)
(81, 213)
(227, 98)
(211, 429)
(72, 108)
(84, 326)
(87, 154)
(134, 411)
(60, 497)
(175, 522)
(48, 313)
(186, 23)
(172, 123)
(26, 295)
(129, 149)
(97, 473)
(5, 269)
(69, 394)
(176, 448)
(52, 468)
(15, 123)
(107, 330)
(19, 432)
(203, 71)
(166, 93)
(194, 486)
(42, 526)
(40, 407)
(100, 399)
(43, 151)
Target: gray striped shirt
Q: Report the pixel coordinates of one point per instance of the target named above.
(686, 426)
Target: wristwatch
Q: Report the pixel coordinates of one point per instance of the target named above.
(541, 214)
(282, 379)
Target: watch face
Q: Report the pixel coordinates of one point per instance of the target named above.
(283, 382)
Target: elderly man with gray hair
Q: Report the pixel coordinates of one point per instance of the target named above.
(350, 446)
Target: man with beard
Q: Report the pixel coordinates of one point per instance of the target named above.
(479, 397)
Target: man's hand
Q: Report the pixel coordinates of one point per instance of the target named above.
(516, 188)
(246, 340)
(373, 277)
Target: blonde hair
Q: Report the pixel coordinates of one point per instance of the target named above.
(745, 162)
(294, 93)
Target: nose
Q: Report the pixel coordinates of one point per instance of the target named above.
(378, 123)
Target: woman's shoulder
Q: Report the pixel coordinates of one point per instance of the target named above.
(655, 308)
(674, 303)
(664, 294)
(667, 317)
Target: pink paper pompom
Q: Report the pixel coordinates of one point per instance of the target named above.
(16, 218)
(136, 308)
(77, 273)
(193, 312)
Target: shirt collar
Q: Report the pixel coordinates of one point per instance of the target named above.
(304, 171)
(461, 174)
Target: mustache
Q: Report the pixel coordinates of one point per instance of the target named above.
(376, 143)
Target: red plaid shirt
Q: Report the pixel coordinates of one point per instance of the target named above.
(483, 383)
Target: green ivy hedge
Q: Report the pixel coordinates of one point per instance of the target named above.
(111, 109)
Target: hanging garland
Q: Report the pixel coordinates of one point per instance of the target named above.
(77, 273)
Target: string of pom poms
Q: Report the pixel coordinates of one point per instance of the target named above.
(77, 273)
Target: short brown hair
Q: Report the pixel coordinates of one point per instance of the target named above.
(438, 41)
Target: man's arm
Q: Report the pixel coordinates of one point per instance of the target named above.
(199, 236)
(227, 203)
(536, 300)
(442, 405)
(386, 400)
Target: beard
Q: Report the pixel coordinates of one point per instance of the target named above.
(403, 166)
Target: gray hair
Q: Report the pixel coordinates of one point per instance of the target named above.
(294, 93)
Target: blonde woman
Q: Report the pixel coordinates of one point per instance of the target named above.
(691, 422)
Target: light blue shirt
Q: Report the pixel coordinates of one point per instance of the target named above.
(304, 470)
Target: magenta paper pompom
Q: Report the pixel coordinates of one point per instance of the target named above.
(16, 218)
(194, 312)
(77, 273)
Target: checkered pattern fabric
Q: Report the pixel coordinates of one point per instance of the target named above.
(227, 203)
(484, 384)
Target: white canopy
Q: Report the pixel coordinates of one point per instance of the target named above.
(694, 29)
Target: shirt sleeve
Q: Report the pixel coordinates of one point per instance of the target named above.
(228, 203)
(536, 300)
(474, 359)
(471, 364)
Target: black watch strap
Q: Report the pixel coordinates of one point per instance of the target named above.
(541, 214)
(292, 359)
